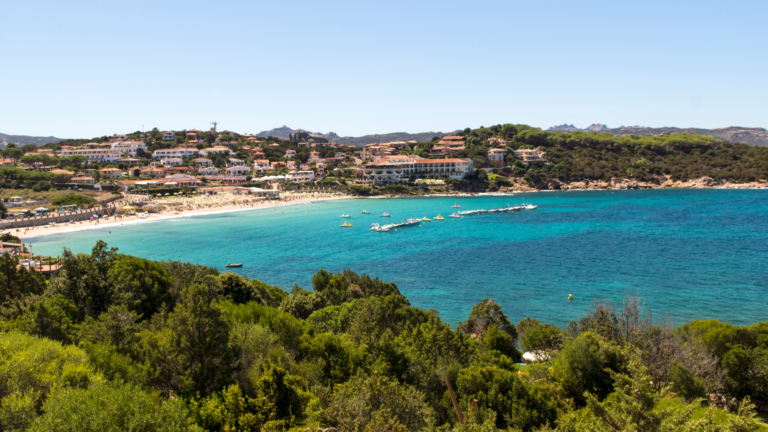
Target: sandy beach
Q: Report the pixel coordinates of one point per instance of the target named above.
(196, 206)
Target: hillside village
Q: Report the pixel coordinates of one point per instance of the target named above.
(500, 157)
(136, 162)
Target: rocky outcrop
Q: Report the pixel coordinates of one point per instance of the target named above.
(563, 128)
(597, 127)
(302, 135)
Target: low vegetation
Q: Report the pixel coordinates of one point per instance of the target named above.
(116, 342)
(73, 199)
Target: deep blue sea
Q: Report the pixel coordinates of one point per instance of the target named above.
(688, 253)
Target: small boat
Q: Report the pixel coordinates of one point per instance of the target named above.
(426, 219)
(455, 215)
(366, 212)
(346, 224)
(456, 206)
(385, 214)
(233, 265)
(439, 218)
(345, 216)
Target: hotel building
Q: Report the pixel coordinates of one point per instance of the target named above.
(398, 169)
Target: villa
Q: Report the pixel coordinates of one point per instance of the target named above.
(83, 180)
(447, 145)
(203, 162)
(496, 157)
(237, 167)
(171, 161)
(261, 165)
(192, 135)
(530, 155)
(110, 173)
(169, 136)
(497, 142)
(209, 170)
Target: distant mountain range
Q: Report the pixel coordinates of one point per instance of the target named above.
(735, 134)
(571, 128)
(285, 132)
(752, 136)
(24, 140)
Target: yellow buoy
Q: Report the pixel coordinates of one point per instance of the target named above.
(570, 296)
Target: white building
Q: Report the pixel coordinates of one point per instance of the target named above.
(290, 153)
(211, 170)
(129, 146)
(235, 162)
(261, 165)
(93, 155)
(171, 161)
(216, 150)
(203, 162)
(237, 170)
(169, 136)
(398, 169)
(496, 156)
(300, 176)
(177, 152)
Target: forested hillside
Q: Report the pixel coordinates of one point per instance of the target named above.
(578, 156)
(116, 342)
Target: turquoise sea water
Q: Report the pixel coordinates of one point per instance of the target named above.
(688, 253)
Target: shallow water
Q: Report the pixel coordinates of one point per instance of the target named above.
(688, 253)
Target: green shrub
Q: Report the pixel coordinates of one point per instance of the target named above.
(112, 407)
(73, 199)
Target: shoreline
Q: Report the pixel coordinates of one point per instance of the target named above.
(70, 228)
(570, 187)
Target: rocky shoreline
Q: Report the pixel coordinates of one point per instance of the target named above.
(520, 185)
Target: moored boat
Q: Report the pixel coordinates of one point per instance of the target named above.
(439, 218)
(385, 214)
(426, 219)
(233, 265)
(366, 212)
(346, 224)
(456, 205)
(345, 216)
(455, 215)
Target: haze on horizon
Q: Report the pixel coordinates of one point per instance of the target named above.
(84, 69)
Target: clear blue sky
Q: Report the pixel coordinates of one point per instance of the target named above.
(85, 69)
